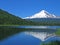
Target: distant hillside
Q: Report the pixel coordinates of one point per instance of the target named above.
(45, 21)
(9, 19)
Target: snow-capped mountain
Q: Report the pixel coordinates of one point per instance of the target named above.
(42, 14)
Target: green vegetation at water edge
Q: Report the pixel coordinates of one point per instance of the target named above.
(58, 32)
(52, 43)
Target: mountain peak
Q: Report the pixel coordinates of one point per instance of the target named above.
(42, 14)
(42, 11)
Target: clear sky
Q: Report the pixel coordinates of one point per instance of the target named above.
(24, 8)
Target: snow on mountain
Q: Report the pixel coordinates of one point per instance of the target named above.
(42, 14)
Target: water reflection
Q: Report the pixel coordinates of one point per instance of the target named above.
(21, 39)
(41, 34)
(40, 27)
(29, 35)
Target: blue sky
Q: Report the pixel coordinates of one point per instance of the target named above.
(24, 8)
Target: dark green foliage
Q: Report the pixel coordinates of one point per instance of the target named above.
(9, 19)
(52, 43)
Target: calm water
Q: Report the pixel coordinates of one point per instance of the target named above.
(39, 27)
(32, 37)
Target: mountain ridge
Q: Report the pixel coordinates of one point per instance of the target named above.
(42, 14)
(9, 19)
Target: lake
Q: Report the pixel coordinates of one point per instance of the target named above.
(33, 35)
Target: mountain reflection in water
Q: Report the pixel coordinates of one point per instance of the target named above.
(41, 34)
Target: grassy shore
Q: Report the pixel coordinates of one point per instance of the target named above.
(58, 32)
